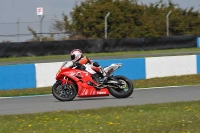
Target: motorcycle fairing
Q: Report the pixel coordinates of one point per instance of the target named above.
(84, 82)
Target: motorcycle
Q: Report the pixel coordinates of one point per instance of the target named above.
(84, 82)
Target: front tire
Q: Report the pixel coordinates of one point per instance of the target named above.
(123, 91)
(64, 92)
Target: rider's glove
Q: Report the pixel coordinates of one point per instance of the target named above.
(77, 64)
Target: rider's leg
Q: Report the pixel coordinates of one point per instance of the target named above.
(96, 67)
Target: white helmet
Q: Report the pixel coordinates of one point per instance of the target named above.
(76, 54)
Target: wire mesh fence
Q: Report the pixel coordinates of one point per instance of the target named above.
(18, 30)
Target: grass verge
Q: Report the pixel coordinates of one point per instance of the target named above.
(154, 82)
(107, 54)
(179, 117)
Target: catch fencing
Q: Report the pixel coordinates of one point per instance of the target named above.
(96, 45)
(18, 30)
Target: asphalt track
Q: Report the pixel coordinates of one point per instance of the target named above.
(47, 103)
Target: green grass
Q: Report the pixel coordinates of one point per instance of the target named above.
(179, 117)
(168, 81)
(154, 82)
(121, 54)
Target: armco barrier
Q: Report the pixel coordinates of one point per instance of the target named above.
(43, 74)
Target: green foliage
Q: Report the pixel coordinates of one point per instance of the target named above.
(59, 28)
(5, 41)
(128, 19)
(36, 37)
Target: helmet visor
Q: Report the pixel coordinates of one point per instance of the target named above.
(72, 57)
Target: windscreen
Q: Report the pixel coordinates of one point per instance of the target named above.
(67, 64)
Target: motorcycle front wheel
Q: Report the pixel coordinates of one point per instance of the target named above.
(66, 92)
(124, 90)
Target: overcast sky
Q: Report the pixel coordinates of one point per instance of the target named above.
(25, 11)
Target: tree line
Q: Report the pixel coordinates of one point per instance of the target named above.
(127, 19)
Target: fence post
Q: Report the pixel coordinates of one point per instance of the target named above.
(41, 28)
(167, 21)
(106, 25)
(18, 29)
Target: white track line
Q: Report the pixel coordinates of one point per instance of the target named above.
(25, 96)
(165, 87)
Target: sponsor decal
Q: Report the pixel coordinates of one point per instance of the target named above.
(86, 73)
(91, 92)
(101, 92)
(83, 92)
(72, 73)
(86, 92)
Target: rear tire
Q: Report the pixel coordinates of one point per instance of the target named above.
(64, 92)
(123, 91)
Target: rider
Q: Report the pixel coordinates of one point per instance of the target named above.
(78, 57)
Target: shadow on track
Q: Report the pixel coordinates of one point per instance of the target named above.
(93, 98)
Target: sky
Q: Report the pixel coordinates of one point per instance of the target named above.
(24, 12)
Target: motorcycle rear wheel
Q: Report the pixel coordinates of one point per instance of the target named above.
(123, 91)
(64, 92)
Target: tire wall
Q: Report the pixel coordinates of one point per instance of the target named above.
(43, 74)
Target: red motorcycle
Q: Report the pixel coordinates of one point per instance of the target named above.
(84, 82)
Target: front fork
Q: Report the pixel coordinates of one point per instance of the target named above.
(64, 80)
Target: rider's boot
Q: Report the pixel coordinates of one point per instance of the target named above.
(101, 83)
(97, 87)
(103, 79)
